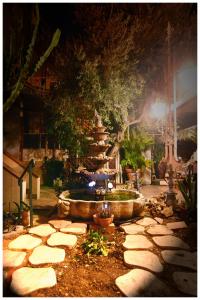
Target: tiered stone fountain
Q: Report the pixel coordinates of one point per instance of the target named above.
(97, 157)
(82, 205)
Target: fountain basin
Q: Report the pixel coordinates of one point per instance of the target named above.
(122, 209)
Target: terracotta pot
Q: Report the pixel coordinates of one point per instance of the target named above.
(128, 170)
(104, 222)
(25, 218)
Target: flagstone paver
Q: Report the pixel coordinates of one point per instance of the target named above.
(76, 228)
(62, 239)
(132, 228)
(13, 258)
(146, 221)
(144, 259)
(159, 230)
(137, 242)
(186, 282)
(180, 258)
(42, 230)
(159, 220)
(169, 241)
(59, 223)
(45, 254)
(25, 242)
(176, 225)
(139, 282)
(26, 280)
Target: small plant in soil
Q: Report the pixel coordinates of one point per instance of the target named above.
(96, 243)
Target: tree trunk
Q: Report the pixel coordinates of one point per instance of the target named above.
(120, 135)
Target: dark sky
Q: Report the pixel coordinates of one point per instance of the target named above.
(58, 15)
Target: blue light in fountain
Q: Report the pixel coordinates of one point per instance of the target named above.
(110, 186)
(91, 184)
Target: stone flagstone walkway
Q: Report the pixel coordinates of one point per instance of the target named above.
(39, 246)
(142, 282)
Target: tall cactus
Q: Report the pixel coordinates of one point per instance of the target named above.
(24, 72)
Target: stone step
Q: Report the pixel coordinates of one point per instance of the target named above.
(26, 280)
(58, 224)
(159, 230)
(134, 241)
(62, 239)
(169, 241)
(146, 221)
(144, 259)
(180, 258)
(76, 228)
(159, 220)
(176, 225)
(13, 258)
(186, 282)
(24, 242)
(45, 255)
(141, 283)
(132, 228)
(42, 230)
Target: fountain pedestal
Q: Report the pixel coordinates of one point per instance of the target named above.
(171, 194)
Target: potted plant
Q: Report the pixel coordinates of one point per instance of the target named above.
(25, 213)
(104, 218)
(133, 149)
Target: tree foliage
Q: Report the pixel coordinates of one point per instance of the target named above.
(116, 55)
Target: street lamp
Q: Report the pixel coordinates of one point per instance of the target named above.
(158, 110)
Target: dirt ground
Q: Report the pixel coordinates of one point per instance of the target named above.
(94, 276)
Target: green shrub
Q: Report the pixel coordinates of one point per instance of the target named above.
(95, 244)
(52, 169)
(188, 188)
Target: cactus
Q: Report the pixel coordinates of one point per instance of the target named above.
(24, 73)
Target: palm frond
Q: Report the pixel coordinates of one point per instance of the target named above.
(189, 133)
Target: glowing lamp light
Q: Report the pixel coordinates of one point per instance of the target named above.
(158, 110)
(92, 184)
(110, 185)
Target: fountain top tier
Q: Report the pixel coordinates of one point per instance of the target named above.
(97, 157)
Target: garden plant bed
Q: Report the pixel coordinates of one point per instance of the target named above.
(94, 276)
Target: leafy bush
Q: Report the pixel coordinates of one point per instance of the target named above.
(52, 169)
(95, 244)
(188, 188)
(133, 148)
